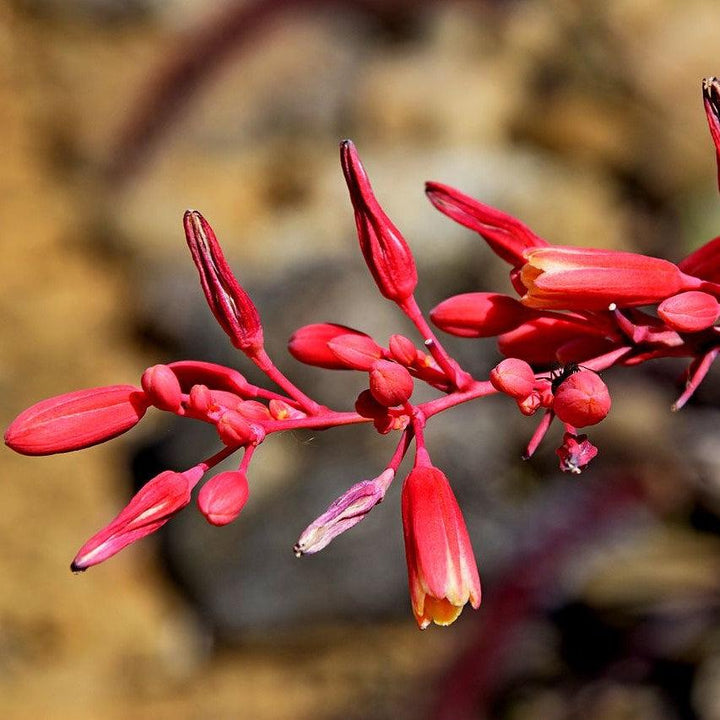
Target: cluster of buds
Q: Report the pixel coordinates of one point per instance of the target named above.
(578, 312)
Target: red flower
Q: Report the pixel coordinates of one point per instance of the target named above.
(691, 311)
(480, 314)
(442, 572)
(76, 420)
(505, 235)
(230, 304)
(223, 496)
(385, 251)
(573, 278)
(582, 399)
(154, 504)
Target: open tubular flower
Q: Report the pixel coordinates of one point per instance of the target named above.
(571, 278)
(442, 572)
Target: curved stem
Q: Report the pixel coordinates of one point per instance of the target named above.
(263, 361)
(455, 374)
(476, 390)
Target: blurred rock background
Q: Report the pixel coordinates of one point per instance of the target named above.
(584, 120)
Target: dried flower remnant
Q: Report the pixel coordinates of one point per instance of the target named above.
(573, 305)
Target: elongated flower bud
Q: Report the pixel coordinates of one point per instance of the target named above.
(691, 311)
(385, 251)
(309, 344)
(480, 314)
(153, 505)
(345, 512)
(572, 278)
(223, 496)
(711, 100)
(76, 420)
(230, 304)
(507, 237)
(442, 571)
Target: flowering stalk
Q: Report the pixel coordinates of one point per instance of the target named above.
(578, 311)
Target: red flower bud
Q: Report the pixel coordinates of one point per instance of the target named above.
(280, 410)
(309, 344)
(76, 420)
(230, 304)
(223, 496)
(582, 399)
(572, 278)
(691, 311)
(530, 404)
(357, 352)
(200, 400)
(234, 429)
(368, 407)
(153, 505)
(480, 314)
(162, 388)
(390, 384)
(403, 350)
(711, 100)
(252, 410)
(385, 251)
(513, 377)
(507, 237)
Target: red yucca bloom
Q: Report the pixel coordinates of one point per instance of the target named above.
(570, 278)
(576, 305)
(442, 572)
(76, 420)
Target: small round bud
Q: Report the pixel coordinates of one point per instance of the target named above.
(200, 400)
(234, 429)
(513, 377)
(223, 496)
(582, 399)
(691, 311)
(368, 407)
(390, 384)
(479, 314)
(162, 388)
(403, 350)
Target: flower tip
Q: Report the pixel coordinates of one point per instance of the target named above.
(76, 567)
